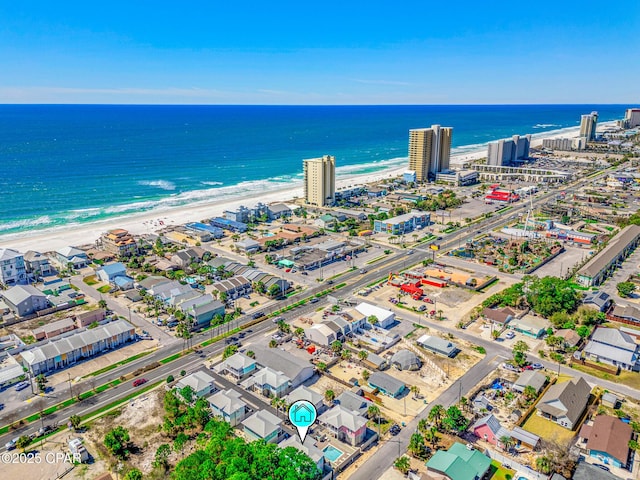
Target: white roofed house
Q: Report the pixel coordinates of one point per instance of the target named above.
(238, 366)
(263, 425)
(12, 267)
(37, 264)
(322, 333)
(610, 345)
(353, 402)
(347, 426)
(24, 300)
(268, 382)
(385, 317)
(305, 393)
(228, 405)
(71, 256)
(296, 369)
(200, 382)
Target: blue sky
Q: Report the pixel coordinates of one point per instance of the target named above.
(348, 52)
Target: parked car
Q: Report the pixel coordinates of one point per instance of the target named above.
(394, 430)
(139, 381)
(509, 335)
(508, 366)
(537, 366)
(11, 444)
(21, 386)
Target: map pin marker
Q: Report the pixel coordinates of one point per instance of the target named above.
(302, 415)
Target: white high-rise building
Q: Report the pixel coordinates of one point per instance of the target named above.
(320, 180)
(588, 126)
(632, 118)
(505, 152)
(429, 151)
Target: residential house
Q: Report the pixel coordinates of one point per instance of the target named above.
(238, 365)
(498, 316)
(587, 471)
(109, 272)
(228, 404)
(481, 404)
(598, 300)
(268, 382)
(308, 448)
(75, 346)
(386, 318)
(151, 281)
(611, 346)
(390, 386)
(247, 246)
(71, 256)
(628, 314)
(233, 287)
(36, 264)
(202, 311)
(524, 439)
(24, 300)
(529, 378)
(186, 257)
(438, 345)
(405, 360)
(297, 370)
(402, 224)
(324, 333)
(305, 393)
(54, 329)
(532, 326)
(489, 429)
(376, 362)
(119, 242)
(607, 440)
(263, 425)
(346, 425)
(353, 402)
(12, 267)
(278, 210)
(564, 403)
(200, 382)
(326, 221)
(570, 337)
(458, 463)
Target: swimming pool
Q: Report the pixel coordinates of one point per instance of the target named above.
(331, 453)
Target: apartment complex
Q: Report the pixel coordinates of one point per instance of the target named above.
(588, 126)
(632, 118)
(429, 151)
(507, 152)
(320, 180)
(119, 242)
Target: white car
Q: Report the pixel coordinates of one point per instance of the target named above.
(509, 335)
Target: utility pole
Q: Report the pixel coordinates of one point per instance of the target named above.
(70, 392)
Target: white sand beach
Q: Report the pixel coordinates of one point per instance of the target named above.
(149, 222)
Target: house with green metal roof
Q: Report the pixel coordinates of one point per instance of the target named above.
(459, 463)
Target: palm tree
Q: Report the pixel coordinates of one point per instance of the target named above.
(363, 354)
(373, 412)
(416, 445)
(507, 442)
(543, 464)
(373, 320)
(366, 375)
(423, 426)
(431, 436)
(251, 354)
(346, 354)
(402, 464)
(464, 403)
(329, 395)
(440, 312)
(415, 390)
(530, 392)
(299, 332)
(436, 413)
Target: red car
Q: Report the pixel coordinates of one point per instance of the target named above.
(138, 382)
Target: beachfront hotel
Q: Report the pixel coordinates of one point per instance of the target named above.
(429, 151)
(320, 180)
(507, 152)
(588, 126)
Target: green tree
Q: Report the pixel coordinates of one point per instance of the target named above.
(162, 456)
(251, 354)
(273, 344)
(551, 294)
(170, 379)
(229, 350)
(507, 442)
(625, 289)
(133, 474)
(454, 420)
(363, 354)
(274, 290)
(23, 442)
(329, 395)
(416, 445)
(75, 421)
(117, 442)
(519, 353)
(530, 393)
(102, 304)
(180, 442)
(436, 415)
(336, 346)
(373, 412)
(402, 464)
(372, 319)
(284, 327)
(366, 374)
(321, 366)
(41, 382)
(544, 465)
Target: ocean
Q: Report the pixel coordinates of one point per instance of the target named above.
(75, 164)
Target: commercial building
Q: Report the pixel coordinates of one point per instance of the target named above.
(507, 152)
(75, 347)
(588, 126)
(402, 224)
(202, 228)
(604, 263)
(226, 224)
(12, 267)
(119, 242)
(429, 151)
(320, 180)
(458, 178)
(632, 118)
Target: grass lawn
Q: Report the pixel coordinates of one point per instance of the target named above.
(104, 289)
(498, 472)
(385, 425)
(90, 280)
(631, 379)
(548, 430)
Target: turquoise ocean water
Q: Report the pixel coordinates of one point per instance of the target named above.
(74, 164)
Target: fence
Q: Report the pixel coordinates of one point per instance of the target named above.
(530, 473)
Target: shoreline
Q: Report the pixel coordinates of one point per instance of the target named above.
(49, 239)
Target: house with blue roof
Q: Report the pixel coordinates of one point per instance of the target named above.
(116, 274)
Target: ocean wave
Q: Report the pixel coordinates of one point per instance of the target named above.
(370, 166)
(213, 184)
(546, 125)
(27, 223)
(163, 184)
